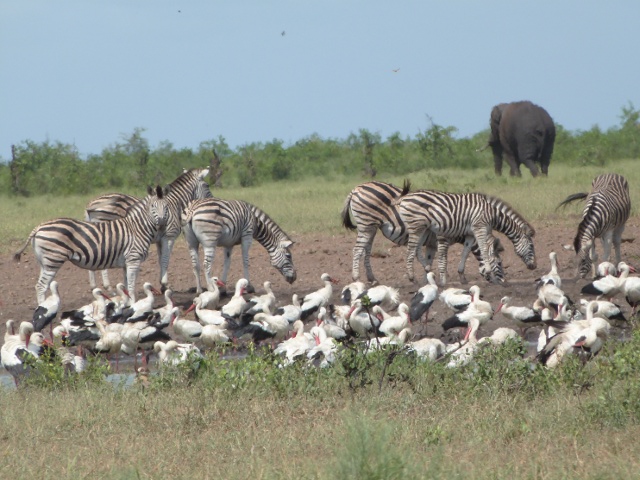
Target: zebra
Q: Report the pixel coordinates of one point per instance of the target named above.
(216, 222)
(190, 185)
(121, 243)
(452, 215)
(605, 213)
(371, 205)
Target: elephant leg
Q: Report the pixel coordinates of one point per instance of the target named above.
(544, 166)
(497, 159)
(514, 166)
(527, 154)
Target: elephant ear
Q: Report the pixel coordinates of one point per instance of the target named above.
(496, 114)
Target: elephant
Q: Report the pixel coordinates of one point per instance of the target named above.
(525, 133)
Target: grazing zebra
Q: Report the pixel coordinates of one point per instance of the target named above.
(605, 213)
(215, 222)
(371, 205)
(453, 215)
(121, 243)
(191, 185)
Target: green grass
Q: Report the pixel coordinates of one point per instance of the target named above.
(498, 418)
(314, 205)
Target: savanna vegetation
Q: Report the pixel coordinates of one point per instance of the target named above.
(385, 415)
(128, 165)
(380, 416)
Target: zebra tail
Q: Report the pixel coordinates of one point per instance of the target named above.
(18, 254)
(572, 198)
(346, 216)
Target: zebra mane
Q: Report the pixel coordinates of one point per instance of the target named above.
(509, 212)
(406, 187)
(584, 223)
(187, 176)
(267, 224)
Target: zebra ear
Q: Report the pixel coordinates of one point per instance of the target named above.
(165, 190)
(149, 190)
(286, 243)
(159, 191)
(204, 172)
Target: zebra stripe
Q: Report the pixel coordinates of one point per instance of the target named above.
(372, 207)
(191, 185)
(454, 215)
(121, 243)
(605, 214)
(215, 222)
(109, 207)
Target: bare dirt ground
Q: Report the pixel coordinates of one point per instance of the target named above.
(316, 254)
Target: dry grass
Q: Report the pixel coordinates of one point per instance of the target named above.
(314, 205)
(425, 422)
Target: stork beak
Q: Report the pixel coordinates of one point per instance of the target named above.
(191, 308)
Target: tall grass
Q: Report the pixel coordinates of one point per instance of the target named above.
(251, 419)
(314, 205)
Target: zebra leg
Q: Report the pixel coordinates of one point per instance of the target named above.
(245, 245)
(194, 246)
(430, 246)
(195, 265)
(468, 243)
(617, 241)
(364, 243)
(45, 278)
(443, 248)
(132, 268)
(412, 246)
(606, 245)
(92, 279)
(106, 283)
(165, 246)
(209, 255)
(593, 255)
(484, 239)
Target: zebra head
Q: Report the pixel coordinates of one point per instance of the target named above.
(281, 259)
(523, 245)
(202, 189)
(157, 206)
(585, 263)
(493, 273)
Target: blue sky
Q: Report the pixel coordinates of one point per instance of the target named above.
(88, 72)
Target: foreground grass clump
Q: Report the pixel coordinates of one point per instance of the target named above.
(384, 415)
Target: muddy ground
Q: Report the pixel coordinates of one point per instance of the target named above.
(315, 254)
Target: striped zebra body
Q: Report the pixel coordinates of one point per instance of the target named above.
(605, 214)
(215, 222)
(191, 185)
(453, 215)
(121, 243)
(372, 208)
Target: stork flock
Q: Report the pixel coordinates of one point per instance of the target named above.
(312, 329)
